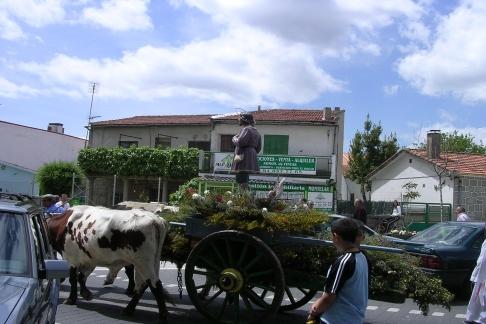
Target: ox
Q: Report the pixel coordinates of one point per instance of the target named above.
(89, 236)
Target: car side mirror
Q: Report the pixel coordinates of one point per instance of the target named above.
(55, 269)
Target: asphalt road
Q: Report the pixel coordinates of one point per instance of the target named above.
(109, 301)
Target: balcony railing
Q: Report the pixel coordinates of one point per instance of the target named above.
(288, 165)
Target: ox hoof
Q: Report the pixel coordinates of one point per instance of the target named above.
(70, 301)
(128, 311)
(87, 295)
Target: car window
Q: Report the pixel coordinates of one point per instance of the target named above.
(445, 234)
(41, 232)
(39, 253)
(14, 256)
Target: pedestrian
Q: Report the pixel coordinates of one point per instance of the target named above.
(360, 211)
(461, 214)
(63, 202)
(49, 203)
(397, 211)
(476, 309)
(345, 295)
(248, 144)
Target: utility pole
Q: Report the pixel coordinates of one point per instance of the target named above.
(92, 88)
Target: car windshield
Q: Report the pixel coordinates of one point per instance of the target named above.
(445, 234)
(13, 245)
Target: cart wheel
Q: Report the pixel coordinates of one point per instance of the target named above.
(234, 277)
(296, 298)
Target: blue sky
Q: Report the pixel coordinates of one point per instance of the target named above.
(413, 65)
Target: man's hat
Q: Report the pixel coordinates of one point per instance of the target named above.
(49, 197)
(247, 118)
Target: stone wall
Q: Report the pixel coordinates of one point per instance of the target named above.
(470, 192)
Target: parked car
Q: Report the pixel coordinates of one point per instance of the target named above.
(450, 251)
(29, 271)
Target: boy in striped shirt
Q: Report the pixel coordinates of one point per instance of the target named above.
(345, 296)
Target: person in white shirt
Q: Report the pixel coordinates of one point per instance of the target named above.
(461, 214)
(397, 211)
(63, 202)
(476, 309)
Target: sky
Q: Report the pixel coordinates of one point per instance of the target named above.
(411, 65)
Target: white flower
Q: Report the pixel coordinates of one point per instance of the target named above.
(229, 203)
(196, 196)
(264, 210)
(391, 272)
(229, 193)
(296, 207)
(305, 206)
(394, 231)
(206, 192)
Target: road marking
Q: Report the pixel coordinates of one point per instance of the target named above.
(393, 310)
(170, 286)
(269, 297)
(414, 311)
(125, 280)
(437, 314)
(101, 276)
(460, 315)
(372, 307)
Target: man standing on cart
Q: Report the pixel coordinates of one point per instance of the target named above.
(248, 144)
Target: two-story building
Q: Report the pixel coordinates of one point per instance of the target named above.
(305, 145)
(24, 149)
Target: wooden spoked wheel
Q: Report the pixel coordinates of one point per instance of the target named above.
(234, 277)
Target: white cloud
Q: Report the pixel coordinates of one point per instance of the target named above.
(9, 89)
(36, 13)
(455, 62)
(391, 89)
(240, 66)
(120, 15)
(334, 27)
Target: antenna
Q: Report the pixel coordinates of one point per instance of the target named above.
(92, 88)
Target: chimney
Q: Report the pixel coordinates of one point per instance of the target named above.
(433, 144)
(55, 128)
(327, 113)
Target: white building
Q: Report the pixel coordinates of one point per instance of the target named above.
(463, 177)
(25, 149)
(288, 132)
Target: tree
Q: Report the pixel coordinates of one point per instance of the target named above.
(458, 143)
(57, 177)
(368, 151)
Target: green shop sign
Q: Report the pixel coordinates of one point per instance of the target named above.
(281, 164)
(321, 196)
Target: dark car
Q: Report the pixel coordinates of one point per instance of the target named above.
(29, 271)
(450, 250)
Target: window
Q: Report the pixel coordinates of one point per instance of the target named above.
(276, 144)
(201, 145)
(14, 256)
(127, 144)
(163, 142)
(227, 143)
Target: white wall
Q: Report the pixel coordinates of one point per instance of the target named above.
(109, 136)
(387, 183)
(32, 147)
(303, 139)
(350, 187)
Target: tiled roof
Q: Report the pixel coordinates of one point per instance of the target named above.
(461, 163)
(264, 115)
(157, 120)
(295, 115)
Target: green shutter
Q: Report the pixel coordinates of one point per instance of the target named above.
(276, 144)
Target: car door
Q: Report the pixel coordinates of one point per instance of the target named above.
(42, 251)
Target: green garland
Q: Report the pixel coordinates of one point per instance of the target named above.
(180, 163)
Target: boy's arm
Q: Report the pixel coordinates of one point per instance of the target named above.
(322, 304)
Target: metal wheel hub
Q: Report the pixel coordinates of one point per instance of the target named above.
(231, 280)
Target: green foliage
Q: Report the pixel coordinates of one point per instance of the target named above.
(368, 151)
(57, 177)
(176, 247)
(180, 163)
(181, 194)
(458, 143)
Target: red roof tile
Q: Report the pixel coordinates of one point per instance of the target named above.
(264, 115)
(295, 115)
(462, 163)
(157, 120)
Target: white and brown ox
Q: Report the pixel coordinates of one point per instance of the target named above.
(89, 236)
